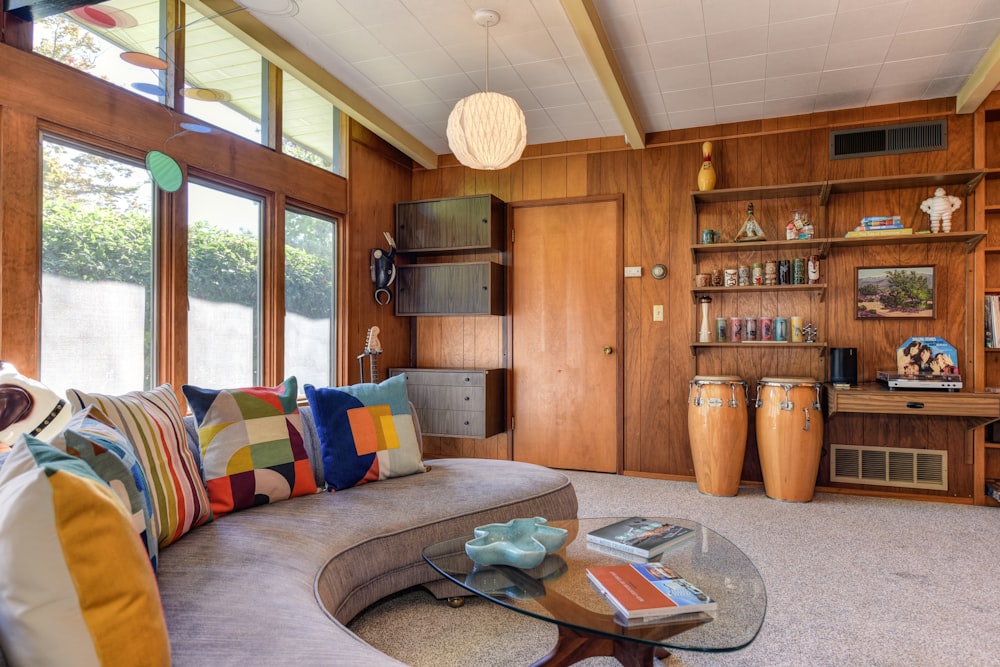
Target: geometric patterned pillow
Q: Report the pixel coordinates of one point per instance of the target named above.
(366, 432)
(91, 436)
(153, 423)
(76, 587)
(251, 445)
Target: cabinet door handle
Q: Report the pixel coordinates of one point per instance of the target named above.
(915, 405)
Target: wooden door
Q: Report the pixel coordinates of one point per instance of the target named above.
(565, 272)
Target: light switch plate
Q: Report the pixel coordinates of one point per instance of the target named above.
(633, 271)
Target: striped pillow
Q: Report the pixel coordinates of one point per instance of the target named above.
(152, 422)
(76, 586)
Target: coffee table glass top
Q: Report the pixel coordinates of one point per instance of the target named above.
(558, 590)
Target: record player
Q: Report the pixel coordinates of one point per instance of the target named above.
(944, 382)
(924, 362)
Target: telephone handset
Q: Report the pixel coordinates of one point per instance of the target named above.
(383, 270)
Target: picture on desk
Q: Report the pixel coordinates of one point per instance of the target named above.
(926, 355)
(895, 292)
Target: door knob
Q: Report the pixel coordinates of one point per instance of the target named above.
(607, 349)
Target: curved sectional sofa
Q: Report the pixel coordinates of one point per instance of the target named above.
(276, 584)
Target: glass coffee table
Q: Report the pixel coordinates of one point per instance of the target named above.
(559, 592)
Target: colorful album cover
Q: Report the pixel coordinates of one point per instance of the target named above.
(926, 355)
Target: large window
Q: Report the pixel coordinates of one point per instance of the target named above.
(97, 271)
(310, 298)
(224, 287)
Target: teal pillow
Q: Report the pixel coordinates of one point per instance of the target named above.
(366, 432)
(91, 436)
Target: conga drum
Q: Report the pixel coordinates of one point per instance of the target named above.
(717, 430)
(789, 436)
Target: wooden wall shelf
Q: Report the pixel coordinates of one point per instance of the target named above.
(978, 408)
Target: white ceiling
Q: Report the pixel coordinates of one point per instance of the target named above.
(685, 63)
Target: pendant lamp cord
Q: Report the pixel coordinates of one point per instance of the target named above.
(487, 56)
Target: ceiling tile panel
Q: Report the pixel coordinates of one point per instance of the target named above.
(684, 63)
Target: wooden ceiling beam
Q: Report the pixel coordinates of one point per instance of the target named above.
(587, 25)
(245, 27)
(981, 82)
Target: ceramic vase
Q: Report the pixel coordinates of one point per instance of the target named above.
(706, 175)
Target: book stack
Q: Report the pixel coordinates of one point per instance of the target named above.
(648, 590)
(640, 537)
(992, 320)
(880, 225)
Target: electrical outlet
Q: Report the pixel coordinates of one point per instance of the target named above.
(658, 313)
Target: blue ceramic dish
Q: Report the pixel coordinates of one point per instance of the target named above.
(521, 543)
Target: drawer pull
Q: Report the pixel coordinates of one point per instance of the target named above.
(915, 405)
(467, 398)
(466, 423)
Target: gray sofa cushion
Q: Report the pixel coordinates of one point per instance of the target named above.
(273, 585)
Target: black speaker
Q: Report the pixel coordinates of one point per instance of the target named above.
(844, 365)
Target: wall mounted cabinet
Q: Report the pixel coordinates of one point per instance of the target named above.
(453, 288)
(452, 224)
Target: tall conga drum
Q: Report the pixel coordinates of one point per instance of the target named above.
(789, 436)
(717, 430)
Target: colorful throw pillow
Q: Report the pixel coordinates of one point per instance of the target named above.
(91, 436)
(365, 431)
(152, 422)
(251, 445)
(76, 587)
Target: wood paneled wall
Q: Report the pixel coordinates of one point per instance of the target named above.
(656, 183)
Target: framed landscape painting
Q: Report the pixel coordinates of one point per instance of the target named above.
(895, 292)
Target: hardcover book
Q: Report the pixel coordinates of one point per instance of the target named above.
(643, 537)
(648, 590)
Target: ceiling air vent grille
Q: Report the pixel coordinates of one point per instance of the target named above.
(889, 140)
(890, 466)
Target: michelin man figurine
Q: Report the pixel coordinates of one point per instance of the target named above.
(940, 207)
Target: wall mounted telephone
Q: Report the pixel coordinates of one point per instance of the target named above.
(383, 269)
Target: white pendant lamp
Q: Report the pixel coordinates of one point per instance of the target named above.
(487, 130)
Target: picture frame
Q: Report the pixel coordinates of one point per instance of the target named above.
(895, 292)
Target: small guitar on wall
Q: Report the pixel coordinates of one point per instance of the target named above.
(373, 348)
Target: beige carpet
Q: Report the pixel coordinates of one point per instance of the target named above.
(850, 581)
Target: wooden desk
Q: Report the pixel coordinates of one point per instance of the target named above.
(978, 408)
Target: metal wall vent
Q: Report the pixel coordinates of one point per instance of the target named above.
(889, 140)
(890, 466)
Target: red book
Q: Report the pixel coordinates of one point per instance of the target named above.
(643, 590)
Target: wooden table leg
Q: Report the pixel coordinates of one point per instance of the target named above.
(572, 646)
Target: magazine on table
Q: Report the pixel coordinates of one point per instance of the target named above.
(648, 590)
(637, 535)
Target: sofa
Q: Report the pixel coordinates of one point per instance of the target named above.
(276, 584)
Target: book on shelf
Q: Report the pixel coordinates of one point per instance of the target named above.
(640, 536)
(882, 221)
(991, 320)
(648, 590)
(901, 231)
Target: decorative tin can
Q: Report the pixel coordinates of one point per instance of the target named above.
(757, 273)
(716, 277)
(750, 328)
(731, 277)
(781, 329)
(702, 279)
(735, 329)
(796, 325)
(799, 271)
(766, 328)
(784, 272)
(744, 274)
(721, 324)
